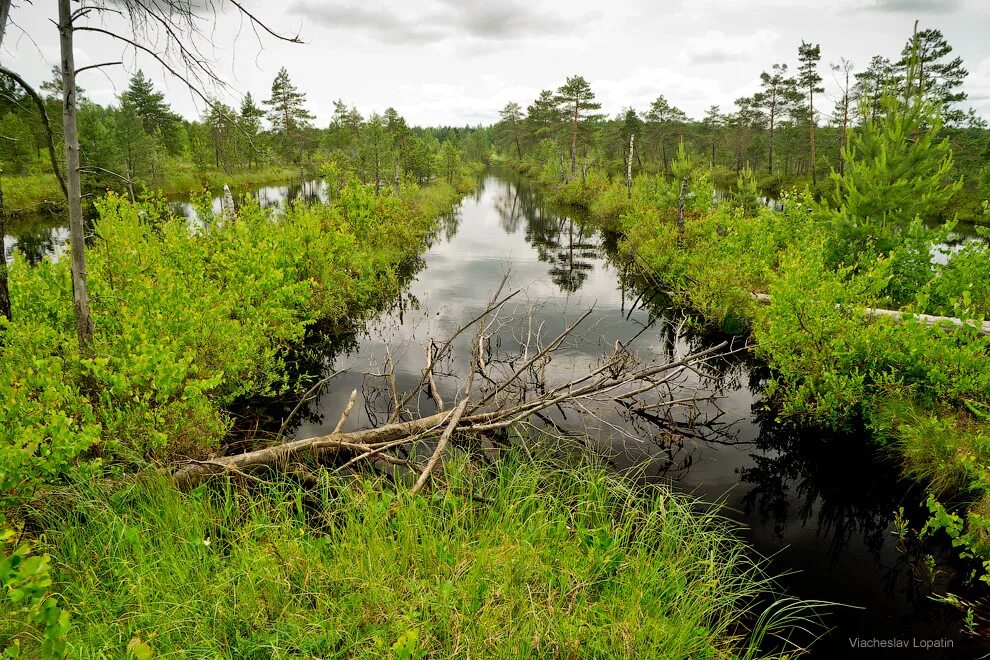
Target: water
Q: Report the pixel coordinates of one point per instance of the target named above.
(820, 505)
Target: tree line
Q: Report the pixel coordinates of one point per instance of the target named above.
(141, 141)
(787, 130)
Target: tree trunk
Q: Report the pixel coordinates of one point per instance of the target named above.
(77, 237)
(814, 169)
(680, 206)
(632, 141)
(845, 125)
(574, 132)
(4, 289)
(770, 146)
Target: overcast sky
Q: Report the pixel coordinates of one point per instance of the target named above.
(459, 61)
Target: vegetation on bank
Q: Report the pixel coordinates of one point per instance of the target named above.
(520, 557)
(187, 322)
(924, 392)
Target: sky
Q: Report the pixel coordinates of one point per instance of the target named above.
(457, 62)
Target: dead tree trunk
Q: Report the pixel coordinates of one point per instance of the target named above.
(928, 320)
(632, 140)
(77, 236)
(4, 288)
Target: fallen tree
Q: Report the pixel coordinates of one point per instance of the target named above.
(511, 364)
(929, 320)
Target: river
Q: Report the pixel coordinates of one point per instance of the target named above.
(820, 505)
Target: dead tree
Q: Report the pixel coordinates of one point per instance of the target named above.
(632, 141)
(512, 379)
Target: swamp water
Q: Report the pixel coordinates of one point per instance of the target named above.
(821, 506)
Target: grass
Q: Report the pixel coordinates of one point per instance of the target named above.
(31, 193)
(516, 559)
(187, 178)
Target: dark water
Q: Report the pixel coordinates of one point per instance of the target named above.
(819, 505)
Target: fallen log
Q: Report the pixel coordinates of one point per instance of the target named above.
(928, 320)
(516, 384)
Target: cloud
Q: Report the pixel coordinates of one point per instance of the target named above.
(913, 6)
(440, 20)
(715, 47)
(715, 9)
(640, 87)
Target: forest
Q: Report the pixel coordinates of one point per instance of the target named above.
(559, 385)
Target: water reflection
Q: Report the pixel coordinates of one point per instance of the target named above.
(35, 238)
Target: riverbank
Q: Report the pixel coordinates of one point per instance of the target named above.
(924, 393)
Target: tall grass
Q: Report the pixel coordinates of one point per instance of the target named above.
(516, 559)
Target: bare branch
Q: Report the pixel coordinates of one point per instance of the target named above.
(97, 66)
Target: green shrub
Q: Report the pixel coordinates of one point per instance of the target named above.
(187, 321)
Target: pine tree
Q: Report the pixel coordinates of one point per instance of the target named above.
(713, 121)
(287, 112)
(543, 117)
(938, 78)
(374, 151)
(577, 102)
(250, 120)
(510, 125)
(775, 100)
(897, 170)
(149, 104)
(810, 81)
(870, 84)
(664, 116)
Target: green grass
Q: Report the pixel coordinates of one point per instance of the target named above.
(189, 179)
(31, 193)
(518, 559)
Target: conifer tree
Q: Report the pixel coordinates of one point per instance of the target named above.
(510, 125)
(663, 115)
(775, 100)
(250, 118)
(543, 117)
(938, 78)
(897, 171)
(810, 81)
(287, 112)
(149, 104)
(870, 85)
(577, 102)
(713, 121)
